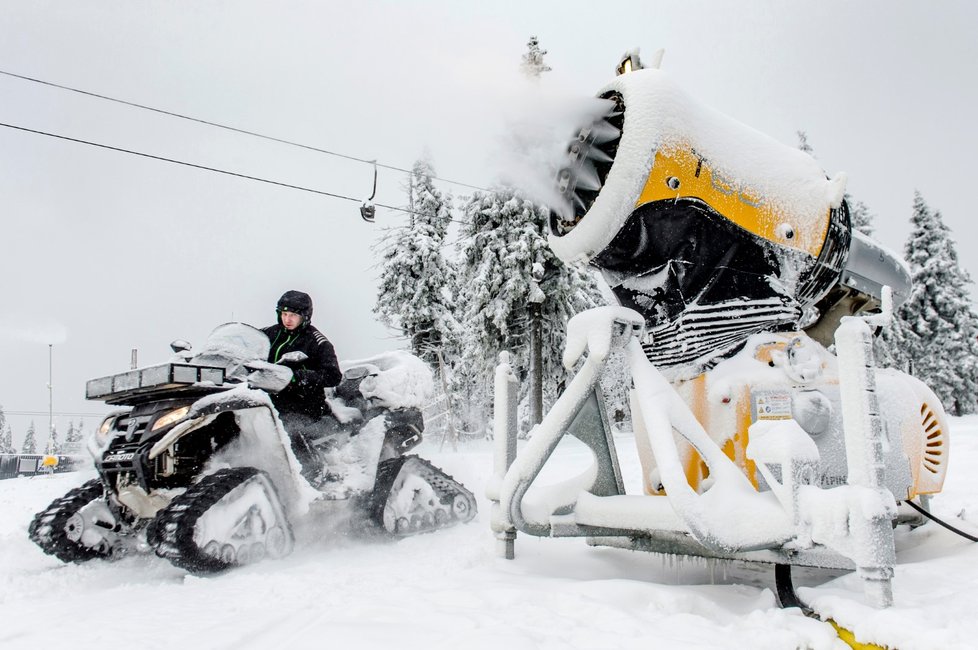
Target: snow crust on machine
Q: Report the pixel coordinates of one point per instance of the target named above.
(660, 116)
(267, 445)
(397, 379)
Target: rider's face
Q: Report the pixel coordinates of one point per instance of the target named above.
(291, 320)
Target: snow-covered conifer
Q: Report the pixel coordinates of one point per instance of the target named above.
(412, 296)
(533, 65)
(500, 244)
(30, 443)
(859, 213)
(6, 445)
(53, 446)
(73, 438)
(6, 436)
(938, 332)
(803, 143)
(860, 216)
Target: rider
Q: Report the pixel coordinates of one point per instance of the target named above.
(302, 404)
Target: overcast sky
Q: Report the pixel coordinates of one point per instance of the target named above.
(103, 252)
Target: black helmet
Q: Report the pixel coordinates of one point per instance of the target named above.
(296, 302)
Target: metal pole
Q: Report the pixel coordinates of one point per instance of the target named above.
(536, 364)
(537, 297)
(505, 431)
(50, 391)
(448, 401)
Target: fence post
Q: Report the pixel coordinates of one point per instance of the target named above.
(505, 429)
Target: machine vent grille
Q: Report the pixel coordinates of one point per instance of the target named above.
(934, 445)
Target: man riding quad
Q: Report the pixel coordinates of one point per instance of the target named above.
(300, 402)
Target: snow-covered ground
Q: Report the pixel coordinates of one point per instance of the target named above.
(450, 590)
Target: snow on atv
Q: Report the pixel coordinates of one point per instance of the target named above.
(199, 468)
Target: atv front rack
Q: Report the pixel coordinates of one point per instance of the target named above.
(123, 387)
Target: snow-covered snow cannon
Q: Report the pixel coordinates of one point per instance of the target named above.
(736, 270)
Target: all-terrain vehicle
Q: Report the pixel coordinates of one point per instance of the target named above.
(199, 469)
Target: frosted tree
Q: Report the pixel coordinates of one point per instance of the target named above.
(413, 298)
(859, 213)
(6, 440)
(53, 446)
(533, 65)
(860, 216)
(803, 143)
(6, 444)
(935, 334)
(501, 243)
(30, 443)
(73, 438)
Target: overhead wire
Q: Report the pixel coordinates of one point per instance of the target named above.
(230, 128)
(210, 169)
(59, 413)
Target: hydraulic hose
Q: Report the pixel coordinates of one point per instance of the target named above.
(942, 523)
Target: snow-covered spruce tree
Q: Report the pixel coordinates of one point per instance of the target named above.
(935, 333)
(803, 143)
(860, 216)
(500, 244)
(30, 443)
(6, 445)
(859, 213)
(53, 446)
(412, 298)
(73, 438)
(6, 437)
(533, 65)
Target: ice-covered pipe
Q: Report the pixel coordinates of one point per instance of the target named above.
(873, 548)
(505, 429)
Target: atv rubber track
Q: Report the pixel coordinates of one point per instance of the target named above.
(47, 529)
(171, 533)
(445, 487)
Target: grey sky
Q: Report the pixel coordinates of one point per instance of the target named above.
(103, 252)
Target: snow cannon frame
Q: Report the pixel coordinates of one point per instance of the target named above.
(783, 518)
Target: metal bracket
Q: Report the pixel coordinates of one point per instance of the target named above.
(368, 210)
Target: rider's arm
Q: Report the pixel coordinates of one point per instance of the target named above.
(322, 369)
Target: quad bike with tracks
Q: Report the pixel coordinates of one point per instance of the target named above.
(199, 468)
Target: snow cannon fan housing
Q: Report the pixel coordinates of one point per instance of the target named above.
(710, 229)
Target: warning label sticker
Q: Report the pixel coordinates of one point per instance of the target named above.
(772, 405)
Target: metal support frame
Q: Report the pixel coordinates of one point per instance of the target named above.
(867, 547)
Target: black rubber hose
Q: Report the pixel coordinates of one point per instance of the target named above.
(942, 523)
(785, 590)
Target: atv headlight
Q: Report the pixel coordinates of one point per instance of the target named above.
(171, 417)
(98, 441)
(102, 434)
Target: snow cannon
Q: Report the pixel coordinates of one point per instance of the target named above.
(710, 229)
(764, 430)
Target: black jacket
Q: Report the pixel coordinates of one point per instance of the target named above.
(312, 376)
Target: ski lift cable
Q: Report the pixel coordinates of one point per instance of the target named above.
(232, 128)
(211, 169)
(59, 413)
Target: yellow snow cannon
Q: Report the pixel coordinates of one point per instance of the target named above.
(747, 309)
(710, 229)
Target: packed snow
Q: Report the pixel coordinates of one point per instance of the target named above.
(449, 589)
(659, 115)
(395, 379)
